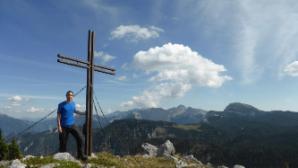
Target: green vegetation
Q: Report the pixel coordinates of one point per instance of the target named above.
(140, 161)
(105, 159)
(9, 151)
(3, 147)
(38, 162)
(109, 160)
(14, 151)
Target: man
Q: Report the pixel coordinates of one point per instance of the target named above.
(66, 125)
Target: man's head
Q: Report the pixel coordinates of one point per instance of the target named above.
(69, 95)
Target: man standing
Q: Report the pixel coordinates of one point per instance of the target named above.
(66, 125)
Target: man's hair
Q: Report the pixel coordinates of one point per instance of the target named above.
(69, 92)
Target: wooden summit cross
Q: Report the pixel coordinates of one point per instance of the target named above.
(91, 67)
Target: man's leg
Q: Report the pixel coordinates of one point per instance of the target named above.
(63, 140)
(79, 138)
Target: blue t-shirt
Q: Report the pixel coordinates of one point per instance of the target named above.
(66, 109)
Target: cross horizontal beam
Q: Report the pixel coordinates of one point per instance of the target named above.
(85, 66)
(83, 62)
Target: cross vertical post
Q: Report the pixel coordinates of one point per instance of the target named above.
(90, 67)
(89, 95)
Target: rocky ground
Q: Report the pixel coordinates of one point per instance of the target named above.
(153, 157)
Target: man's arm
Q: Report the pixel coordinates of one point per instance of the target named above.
(79, 112)
(59, 122)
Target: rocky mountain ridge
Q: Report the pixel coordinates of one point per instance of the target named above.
(163, 156)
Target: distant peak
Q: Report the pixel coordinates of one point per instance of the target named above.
(181, 106)
(240, 107)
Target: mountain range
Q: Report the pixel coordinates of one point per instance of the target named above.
(180, 114)
(240, 134)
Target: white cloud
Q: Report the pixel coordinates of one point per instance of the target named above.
(135, 32)
(34, 110)
(174, 69)
(80, 107)
(122, 78)
(104, 57)
(15, 100)
(292, 69)
(7, 107)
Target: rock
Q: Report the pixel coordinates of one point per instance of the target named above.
(209, 164)
(88, 165)
(222, 166)
(17, 164)
(93, 156)
(179, 163)
(28, 157)
(4, 163)
(64, 156)
(166, 149)
(192, 158)
(51, 165)
(238, 166)
(150, 149)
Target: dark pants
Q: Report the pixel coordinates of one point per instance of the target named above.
(63, 137)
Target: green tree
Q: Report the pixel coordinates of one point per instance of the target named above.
(14, 151)
(3, 147)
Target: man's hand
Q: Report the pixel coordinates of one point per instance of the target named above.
(59, 129)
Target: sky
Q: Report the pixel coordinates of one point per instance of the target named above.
(199, 53)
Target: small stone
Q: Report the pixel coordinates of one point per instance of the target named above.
(93, 156)
(28, 157)
(191, 158)
(88, 165)
(51, 165)
(222, 166)
(179, 163)
(238, 166)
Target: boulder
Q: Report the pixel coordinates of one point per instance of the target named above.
(64, 156)
(166, 149)
(150, 149)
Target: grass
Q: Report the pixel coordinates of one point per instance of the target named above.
(105, 159)
(109, 160)
(140, 161)
(38, 162)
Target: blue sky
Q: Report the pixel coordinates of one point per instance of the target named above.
(200, 53)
